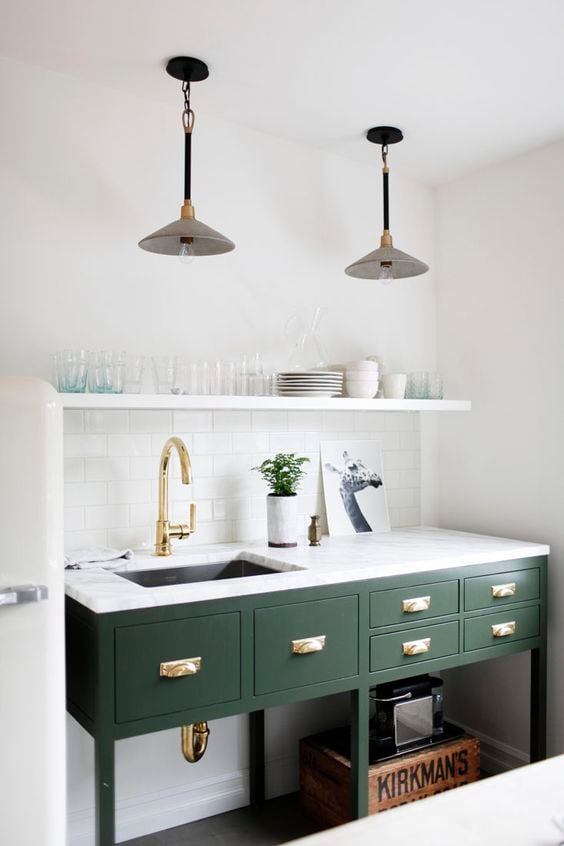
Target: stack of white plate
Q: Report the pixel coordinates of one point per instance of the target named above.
(310, 383)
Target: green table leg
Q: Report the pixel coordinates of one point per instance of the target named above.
(256, 769)
(104, 774)
(359, 752)
(538, 704)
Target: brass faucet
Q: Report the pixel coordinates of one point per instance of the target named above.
(166, 531)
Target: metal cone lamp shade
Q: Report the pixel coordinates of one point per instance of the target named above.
(386, 263)
(187, 237)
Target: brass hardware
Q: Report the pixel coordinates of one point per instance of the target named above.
(418, 603)
(188, 120)
(308, 644)
(386, 239)
(194, 741)
(314, 531)
(166, 530)
(183, 667)
(504, 590)
(187, 210)
(416, 647)
(504, 629)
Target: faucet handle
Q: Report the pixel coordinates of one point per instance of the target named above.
(192, 524)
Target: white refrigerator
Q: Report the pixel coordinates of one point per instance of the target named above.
(32, 684)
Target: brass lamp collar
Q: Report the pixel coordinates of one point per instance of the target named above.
(386, 239)
(187, 210)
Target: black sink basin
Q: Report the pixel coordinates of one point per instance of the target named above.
(197, 573)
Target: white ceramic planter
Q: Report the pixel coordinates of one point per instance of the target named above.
(282, 520)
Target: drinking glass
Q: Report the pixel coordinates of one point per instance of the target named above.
(164, 373)
(106, 372)
(70, 370)
(134, 369)
(417, 385)
(203, 378)
(435, 390)
(229, 378)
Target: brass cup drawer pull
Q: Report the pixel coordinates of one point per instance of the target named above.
(306, 645)
(416, 647)
(499, 591)
(417, 603)
(504, 629)
(183, 667)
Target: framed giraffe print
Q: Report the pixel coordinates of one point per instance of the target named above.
(354, 487)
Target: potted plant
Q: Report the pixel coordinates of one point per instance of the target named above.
(283, 474)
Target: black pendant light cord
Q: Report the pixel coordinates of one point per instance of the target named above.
(187, 123)
(385, 175)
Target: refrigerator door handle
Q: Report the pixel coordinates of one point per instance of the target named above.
(22, 594)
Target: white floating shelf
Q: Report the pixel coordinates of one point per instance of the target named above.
(151, 401)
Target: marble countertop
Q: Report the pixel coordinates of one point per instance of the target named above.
(343, 559)
(524, 807)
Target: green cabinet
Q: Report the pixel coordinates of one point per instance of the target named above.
(501, 627)
(244, 654)
(498, 589)
(141, 690)
(305, 643)
(413, 647)
(412, 603)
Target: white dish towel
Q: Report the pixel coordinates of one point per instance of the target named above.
(96, 556)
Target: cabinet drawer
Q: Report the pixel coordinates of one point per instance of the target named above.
(141, 691)
(511, 625)
(278, 667)
(501, 589)
(416, 602)
(426, 643)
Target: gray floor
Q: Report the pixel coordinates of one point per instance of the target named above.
(277, 821)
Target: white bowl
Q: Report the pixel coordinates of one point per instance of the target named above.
(361, 376)
(361, 365)
(361, 389)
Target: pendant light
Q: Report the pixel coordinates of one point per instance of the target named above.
(187, 237)
(386, 263)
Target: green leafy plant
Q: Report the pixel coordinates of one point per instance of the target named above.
(283, 473)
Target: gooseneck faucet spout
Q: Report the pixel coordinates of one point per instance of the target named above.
(166, 530)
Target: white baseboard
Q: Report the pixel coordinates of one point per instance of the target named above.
(179, 805)
(495, 756)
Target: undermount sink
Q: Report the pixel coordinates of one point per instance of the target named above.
(237, 569)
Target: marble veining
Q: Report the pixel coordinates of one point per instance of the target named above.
(343, 559)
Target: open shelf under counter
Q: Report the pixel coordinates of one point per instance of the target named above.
(170, 401)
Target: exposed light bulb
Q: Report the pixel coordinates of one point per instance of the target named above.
(385, 274)
(186, 254)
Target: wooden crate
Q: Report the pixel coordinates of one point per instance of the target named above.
(325, 776)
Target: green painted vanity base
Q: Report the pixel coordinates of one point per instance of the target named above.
(115, 689)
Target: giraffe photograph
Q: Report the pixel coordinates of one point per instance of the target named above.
(353, 483)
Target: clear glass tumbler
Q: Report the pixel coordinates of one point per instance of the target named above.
(134, 369)
(164, 373)
(417, 385)
(70, 371)
(435, 389)
(106, 372)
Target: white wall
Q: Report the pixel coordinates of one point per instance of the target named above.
(500, 317)
(86, 172)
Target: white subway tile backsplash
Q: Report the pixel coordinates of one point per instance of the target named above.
(129, 445)
(73, 469)
(232, 421)
(250, 442)
(86, 493)
(193, 421)
(152, 421)
(213, 443)
(73, 421)
(106, 421)
(84, 446)
(112, 459)
(105, 469)
(106, 516)
(131, 491)
(270, 421)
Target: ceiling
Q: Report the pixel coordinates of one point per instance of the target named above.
(468, 81)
